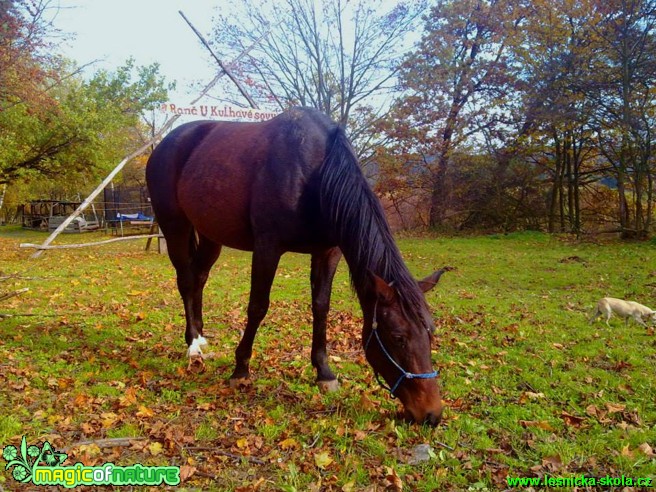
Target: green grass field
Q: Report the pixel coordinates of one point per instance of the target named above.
(531, 388)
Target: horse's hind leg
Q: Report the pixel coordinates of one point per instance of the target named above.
(203, 259)
(192, 259)
(324, 265)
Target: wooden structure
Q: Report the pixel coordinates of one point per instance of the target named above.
(47, 215)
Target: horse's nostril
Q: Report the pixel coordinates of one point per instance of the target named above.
(433, 419)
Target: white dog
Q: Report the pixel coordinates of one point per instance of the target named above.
(624, 309)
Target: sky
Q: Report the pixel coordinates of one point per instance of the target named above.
(111, 31)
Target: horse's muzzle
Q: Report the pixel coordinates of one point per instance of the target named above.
(433, 419)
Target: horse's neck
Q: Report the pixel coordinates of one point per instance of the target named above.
(375, 254)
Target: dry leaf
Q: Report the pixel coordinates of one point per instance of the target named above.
(646, 449)
(530, 396)
(615, 407)
(366, 404)
(359, 435)
(108, 419)
(542, 424)
(128, 398)
(552, 463)
(572, 420)
(89, 449)
(322, 460)
(289, 444)
(348, 487)
(81, 400)
(155, 448)
(394, 479)
(186, 472)
(87, 428)
(144, 412)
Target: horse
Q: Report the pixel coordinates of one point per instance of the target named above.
(293, 184)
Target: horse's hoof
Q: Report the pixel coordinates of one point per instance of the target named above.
(328, 386)
(239, 383)
(196, 364)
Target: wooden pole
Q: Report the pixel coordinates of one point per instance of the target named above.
(84, 245)
(9, 295)
(227, 71)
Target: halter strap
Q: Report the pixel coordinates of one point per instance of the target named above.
(404, 374)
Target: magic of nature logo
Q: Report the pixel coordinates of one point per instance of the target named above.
(43, 465)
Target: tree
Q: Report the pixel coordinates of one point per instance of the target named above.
(26, 56)
(86, 127)
(53, 122)
(450, 81)
(550, 61)
(334, 55)
(621, 86)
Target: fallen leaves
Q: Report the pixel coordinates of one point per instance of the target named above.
(186, 472)
(122, 373)
(155, 448)
(289, 444)
(541, 424)
(129, 397)
(396, 484)
(530, 396)
(647, 450)
(572, 420)
(323, 460)
(614, 414)
(144, 412)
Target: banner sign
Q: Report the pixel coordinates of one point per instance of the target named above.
(219, 112)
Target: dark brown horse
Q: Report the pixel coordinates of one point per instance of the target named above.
(293, 184)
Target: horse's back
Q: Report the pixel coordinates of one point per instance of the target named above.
(238, 181)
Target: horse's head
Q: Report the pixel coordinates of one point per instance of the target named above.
(398, 346)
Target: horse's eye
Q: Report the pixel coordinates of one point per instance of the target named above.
(399, 340)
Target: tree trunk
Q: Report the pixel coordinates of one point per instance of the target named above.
(553, 200)
(623, 206)
(570, 181)
(439, 193)
(639, 218)
(561, 196)
(650, 196)
(3, 192)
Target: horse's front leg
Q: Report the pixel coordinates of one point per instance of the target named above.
(323, 269)
(264, 266)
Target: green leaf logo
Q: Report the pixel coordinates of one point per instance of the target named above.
(27, 458)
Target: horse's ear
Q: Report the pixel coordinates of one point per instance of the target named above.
(385, 293)
(431, 281)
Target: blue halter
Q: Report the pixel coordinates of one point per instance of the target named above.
(404, 374)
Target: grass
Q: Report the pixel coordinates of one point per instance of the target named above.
(531, 388)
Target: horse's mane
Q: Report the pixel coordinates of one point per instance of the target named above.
(357, 222)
